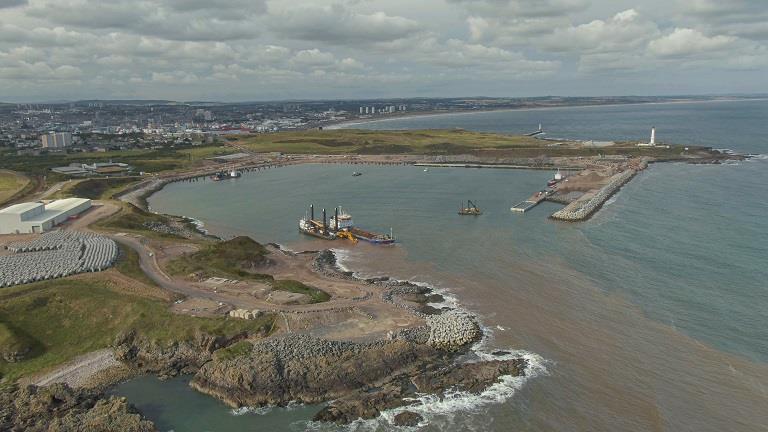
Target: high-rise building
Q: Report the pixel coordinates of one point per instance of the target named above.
(56, 140)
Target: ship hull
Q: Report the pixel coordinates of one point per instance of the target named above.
(318, 234)
(371, 237)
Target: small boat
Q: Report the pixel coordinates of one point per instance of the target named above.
(234, 174)
(219, 176)
(470, 209)
(356, 174)
(426, 169)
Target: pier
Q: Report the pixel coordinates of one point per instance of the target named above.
(588, 204)
(530, 203)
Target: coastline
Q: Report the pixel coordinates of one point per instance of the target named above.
(345, 124)
(451, 342)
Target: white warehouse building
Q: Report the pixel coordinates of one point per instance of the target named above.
(33, 217)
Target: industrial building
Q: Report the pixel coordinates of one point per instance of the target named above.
(98, 168)
(34, 217)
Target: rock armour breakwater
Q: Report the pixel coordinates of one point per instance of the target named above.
(581, 210)
(452, 330)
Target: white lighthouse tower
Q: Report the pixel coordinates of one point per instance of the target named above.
(652, 142)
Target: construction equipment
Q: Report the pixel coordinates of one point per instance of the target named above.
(470, 209)
(346, 235)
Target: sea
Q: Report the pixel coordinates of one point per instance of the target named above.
(650, 316)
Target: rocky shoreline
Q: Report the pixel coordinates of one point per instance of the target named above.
(58, 407)
(358, 380)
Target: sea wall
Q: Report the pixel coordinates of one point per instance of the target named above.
(583, 209)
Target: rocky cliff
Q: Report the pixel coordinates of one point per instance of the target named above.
(58, 408)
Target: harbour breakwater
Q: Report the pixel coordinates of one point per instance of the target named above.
(582, 209)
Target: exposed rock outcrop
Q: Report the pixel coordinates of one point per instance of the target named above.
(408, 418)
(305, 369)
(60, 408)
(169, 359)
(433, 378)
(362, 379)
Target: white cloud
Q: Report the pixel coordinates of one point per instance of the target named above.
(625, 31)
(248, 49)
(685, 42)
(171, 19)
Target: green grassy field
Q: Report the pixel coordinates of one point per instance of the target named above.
(96, 188)
(11, 183)
(59, 320)
(128, 264)
(235, 350)
(232, 258)
(146, 160)
(354, 141)
(131, 219)
(435, 142)
(236, 259)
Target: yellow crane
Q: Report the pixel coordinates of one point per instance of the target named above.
(346, 235)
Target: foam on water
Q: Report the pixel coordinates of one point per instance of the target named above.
(265, 409)
(452, 401)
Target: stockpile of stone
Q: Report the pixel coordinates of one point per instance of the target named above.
(573, 213)
(56, 254)
(418, 335)
(300, 346)
(170, 229)
(245, 313)
(452, 330)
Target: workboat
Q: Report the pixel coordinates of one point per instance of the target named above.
(315, 229)
(320, 229)
(340, 225)
(341, 220)
(470, 209)
(219, 176)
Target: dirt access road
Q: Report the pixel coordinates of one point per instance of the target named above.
(357, 304)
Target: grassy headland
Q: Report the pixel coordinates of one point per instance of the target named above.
(58, 320)
(239, 258)
(437, 142)
(132, 219)
(236, 258)
(96, 188)
(354, 141)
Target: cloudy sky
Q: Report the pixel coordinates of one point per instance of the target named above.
(234, 50)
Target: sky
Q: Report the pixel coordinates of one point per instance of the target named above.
(249, 50)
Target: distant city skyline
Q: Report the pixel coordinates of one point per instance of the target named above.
(242, 50)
